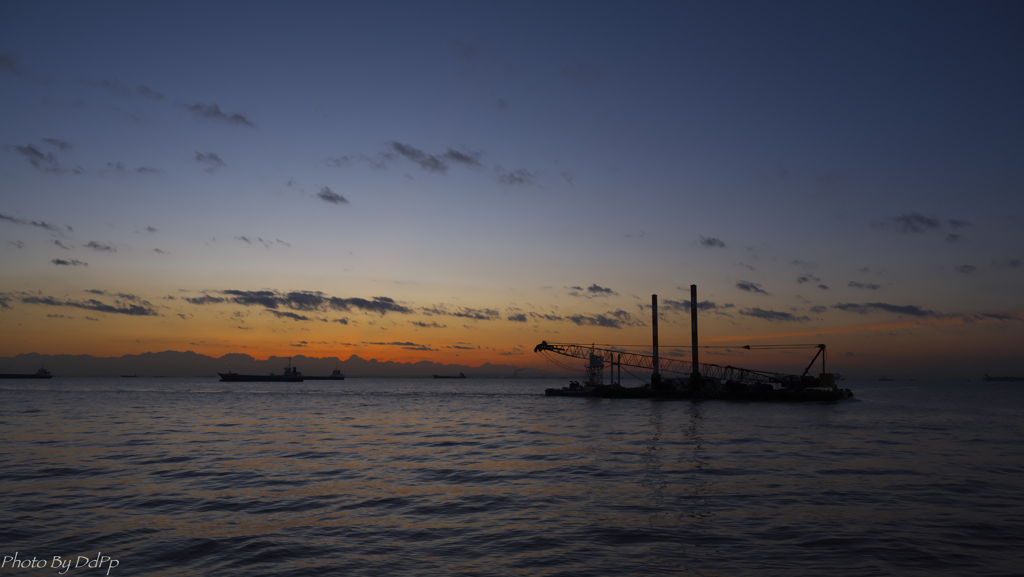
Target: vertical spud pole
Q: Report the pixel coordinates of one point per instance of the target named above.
(695, 376)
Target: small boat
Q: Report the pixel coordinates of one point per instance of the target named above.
(575, 389)
(334, 376)
(129, 376)
(40, 374)
(886, 379)
(459, 376)
(291, 375)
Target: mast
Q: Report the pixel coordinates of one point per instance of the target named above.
(656, 376)
(695, 375)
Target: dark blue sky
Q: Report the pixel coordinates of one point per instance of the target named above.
(500, 157)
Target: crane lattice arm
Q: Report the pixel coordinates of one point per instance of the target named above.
(664, 364)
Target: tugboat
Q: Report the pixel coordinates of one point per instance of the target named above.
(335, 376)
(291, 375)
(459, 376)
(40, 374)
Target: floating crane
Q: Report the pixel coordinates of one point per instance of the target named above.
(697, 372)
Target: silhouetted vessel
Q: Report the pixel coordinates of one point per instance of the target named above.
(886, 379)
(989, 379)
(458, 376)
(291, 375)
(334, 376)
(40, 374)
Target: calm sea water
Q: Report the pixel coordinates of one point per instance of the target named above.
(489, 477)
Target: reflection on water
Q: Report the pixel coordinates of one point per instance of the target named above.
(372, 477)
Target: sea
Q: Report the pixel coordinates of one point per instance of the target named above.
(394, 477)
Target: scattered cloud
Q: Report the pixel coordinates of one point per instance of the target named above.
(519, 176)
(600, 291)
(470, 159)
(71, 262)
(405, 345)
(807, 278)
(518, 318)
(337, 162)
(711, 242)
(546, 316)
(805, 264)
(953, 237)
(1008, 263)
(100, 247)
(63, 145)
(61, 245)
(965, 268)
(16, 243)
(750, 287)
(958, 223)
(865, 308)
(211, 160)
(150, 229)
(37, 223)
(464, 312)
(328, 195)
(611, 319)
(214, 113)
(914, 222)
(93, 305)
(43, 162)
(426, 161)
(148, 170)
(823, 287)
(773, 316)
(867, 286)
(288, 315)
(431, 325)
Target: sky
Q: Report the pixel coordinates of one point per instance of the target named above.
(458, 181)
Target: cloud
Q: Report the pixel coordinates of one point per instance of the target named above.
(953, 237)
(807, 278)
(610, 319)
(426, 161)
(518, 318)
(112, 86)
(750, 287)
(773, 316)
(205, 300)
(823, 287)
(92, 305)
(1008, 263)
(520, 176)
(711, 242)
(210, 159)
(147, 92)
(150, 229)
(865, 308)
(61, 245)
(471, 159)
(288, 315)
(867, 286)
(148, 170)
(818, 309)
(546, 317)
(100, 247)
(600, 291)
(72, 262)
(328, 195)
(669, 305)
(335, 162)
(914, 222)
(405, 345)
(16, 243)
(428, 325)
(44, 162)
(958, 223)
(805, 265)
(63, 145)
(213, 112)
(965, 268)
(37, 223)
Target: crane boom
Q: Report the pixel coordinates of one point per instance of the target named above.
(726, 373)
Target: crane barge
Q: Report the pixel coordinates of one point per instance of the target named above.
(697, 380)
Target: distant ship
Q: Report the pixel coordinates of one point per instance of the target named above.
(335, 376)
(291, 375)
(459, 376)
(989, 379)
(40, 374)
(885, 379)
